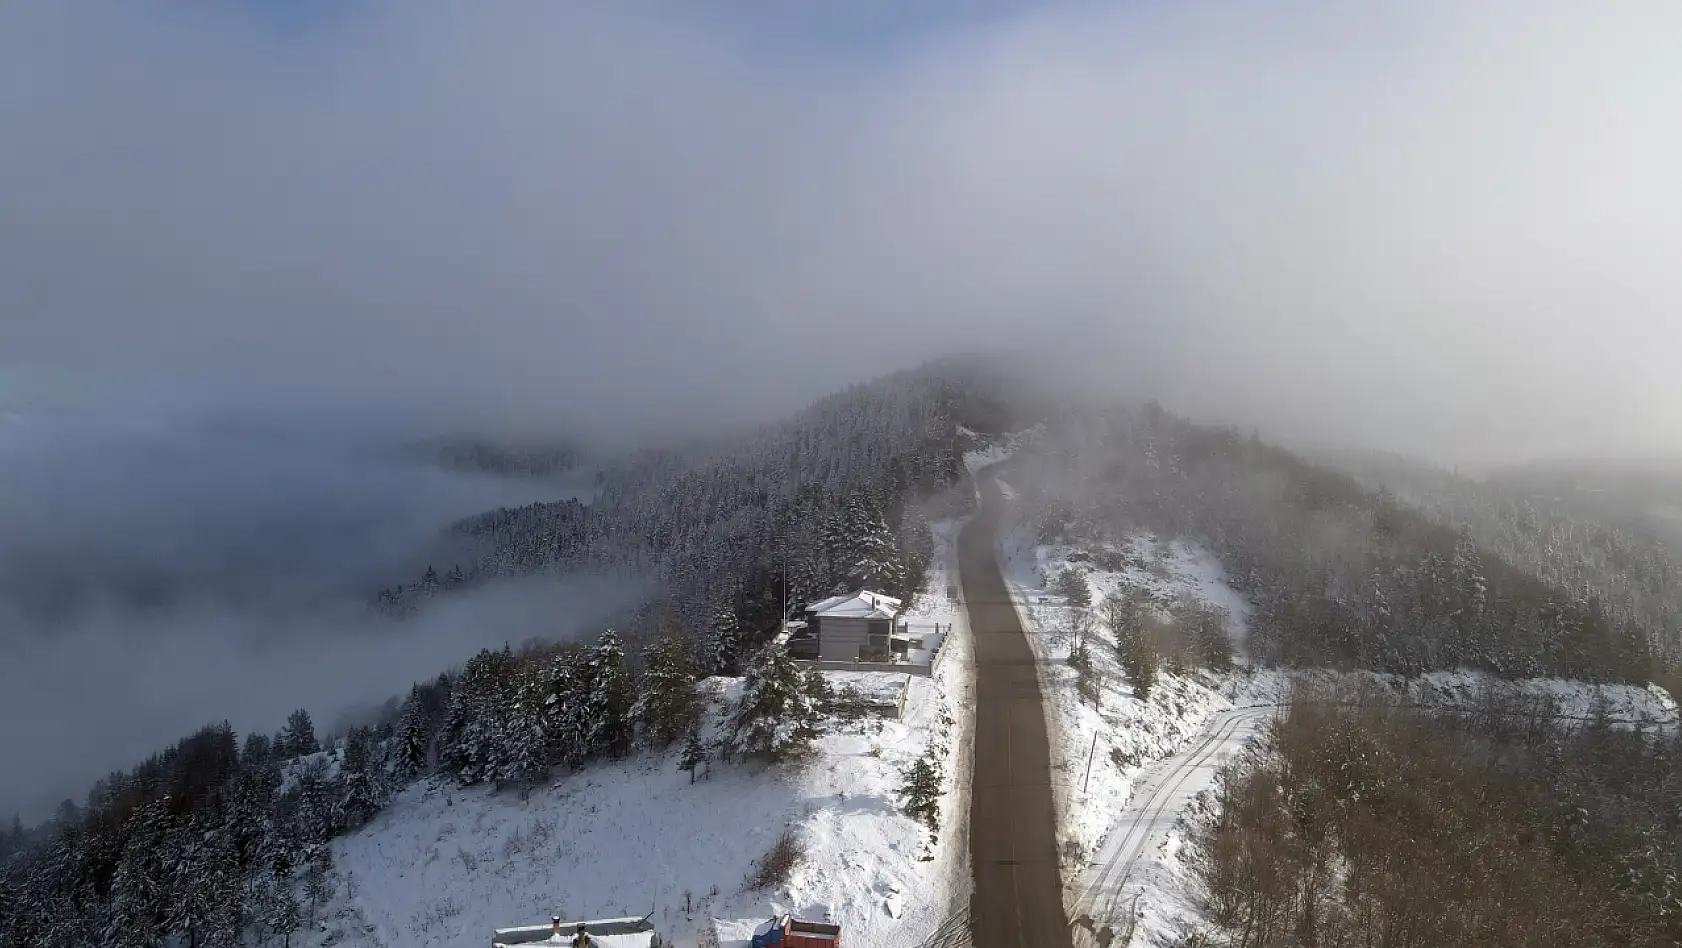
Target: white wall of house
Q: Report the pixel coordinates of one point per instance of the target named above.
(840, 638)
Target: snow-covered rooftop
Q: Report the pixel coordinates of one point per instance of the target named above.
(605, 933)
(863, 604)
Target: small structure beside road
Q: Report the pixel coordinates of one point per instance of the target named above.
(864, 631)
(597, 933)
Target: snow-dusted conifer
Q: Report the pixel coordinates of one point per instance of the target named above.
(669, 705)
(412, 753)
(780, 712)
(362, 786)
(725, 643)
(140, 890)
(694, 753)
(921, 789)
(298, 738)
(608, 697)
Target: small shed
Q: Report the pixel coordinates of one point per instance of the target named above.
(854, 627)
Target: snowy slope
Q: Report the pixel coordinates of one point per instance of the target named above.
(1152, 761)
(443, 865)
(1120, 735)
(992, 449)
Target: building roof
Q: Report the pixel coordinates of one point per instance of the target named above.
(863, 604)
(604, 932)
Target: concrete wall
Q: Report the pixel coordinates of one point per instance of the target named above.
(840, 638)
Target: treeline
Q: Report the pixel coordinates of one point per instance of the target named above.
(218, 843)
(506, 460)
(1338, 575)
(822, 501)
(1360, 823)
(1632, 566)
(205, 844)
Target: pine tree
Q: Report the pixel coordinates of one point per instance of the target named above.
(318, 878)
(473, 745)
(257, 752)
(274, 903)
(780, 713)
(298, 738)
(565, 724)
(669, 707)
(140, 890)
(412, 754)
(921, 789)
(725, 644)
(609, 697)
(205, 887)
(310, 808)
(524, 755)
(361, 789)
(694, 753)
(872, 555)
(1071, 584)
(1139, 662)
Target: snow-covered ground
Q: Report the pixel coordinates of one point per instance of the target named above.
(1126, 768)
(1449, 690)
(991, 449)
(1150, 761)
(443, 866)
(1119, 735)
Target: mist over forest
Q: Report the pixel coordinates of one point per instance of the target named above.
(159, 574)
(251, 258)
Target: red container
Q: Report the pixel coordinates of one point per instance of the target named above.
(800, 934)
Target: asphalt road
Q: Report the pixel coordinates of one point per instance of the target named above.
(1018, 898)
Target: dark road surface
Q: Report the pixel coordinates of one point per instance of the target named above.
(1018, 898)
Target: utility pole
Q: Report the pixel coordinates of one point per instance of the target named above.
(1089, 755)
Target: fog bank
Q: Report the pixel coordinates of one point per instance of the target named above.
(1441, 228)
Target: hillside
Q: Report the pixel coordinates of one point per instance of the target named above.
(794, 509)
(1142, 646)
(1604, 531)
(1339, 575)
(1171, 574)
(442, 864)
(217, 836)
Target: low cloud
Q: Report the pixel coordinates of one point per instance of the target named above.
(101, 692)
(1443, 228)
(158, 574)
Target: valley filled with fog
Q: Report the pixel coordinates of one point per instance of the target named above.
(157, 574)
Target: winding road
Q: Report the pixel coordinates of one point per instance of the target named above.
(1018, 896)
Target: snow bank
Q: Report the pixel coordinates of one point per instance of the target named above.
(1120, 735)
(444, 865)
(1448, 690)
(994, 448)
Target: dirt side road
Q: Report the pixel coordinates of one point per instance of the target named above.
(1018, 899)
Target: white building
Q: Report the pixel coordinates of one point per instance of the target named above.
(854, 627)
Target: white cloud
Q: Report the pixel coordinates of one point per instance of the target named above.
(1444, 227)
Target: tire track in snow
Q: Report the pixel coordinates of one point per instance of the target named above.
(1099, 899)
